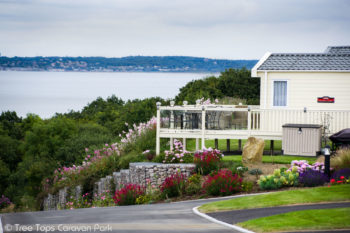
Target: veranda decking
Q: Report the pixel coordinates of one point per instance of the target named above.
(239, 122)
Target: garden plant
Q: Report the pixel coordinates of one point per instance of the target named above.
(222, 183)
(207, 160)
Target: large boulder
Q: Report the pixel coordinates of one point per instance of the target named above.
(253, 151)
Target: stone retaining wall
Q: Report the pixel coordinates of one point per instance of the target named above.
(138, 173)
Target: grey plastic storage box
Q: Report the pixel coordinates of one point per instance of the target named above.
(301, 139)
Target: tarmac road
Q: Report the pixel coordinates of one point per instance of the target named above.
(168, 217)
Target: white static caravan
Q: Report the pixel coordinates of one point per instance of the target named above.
(317, 81)
(296, 88)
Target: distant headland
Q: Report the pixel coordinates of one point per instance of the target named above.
(123, 64)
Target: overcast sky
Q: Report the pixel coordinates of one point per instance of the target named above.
(233, 29)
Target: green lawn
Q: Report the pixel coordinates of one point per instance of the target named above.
(322, 219)
(191, 144)
(336, 193)
(281, 159)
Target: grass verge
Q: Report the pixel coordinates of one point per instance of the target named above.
(191, 144)
(280, 159)
(335, 193)
(330, 219)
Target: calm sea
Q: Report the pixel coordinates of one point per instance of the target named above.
(45, 93)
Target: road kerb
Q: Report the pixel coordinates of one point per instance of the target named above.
(234, 227)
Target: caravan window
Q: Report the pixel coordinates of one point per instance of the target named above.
(280, 93)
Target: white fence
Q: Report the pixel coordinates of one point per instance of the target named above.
(271, 120)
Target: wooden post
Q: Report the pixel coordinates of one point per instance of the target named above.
(158, 132)
(171, 144)
(203, 127)
(249, 122)
(216, 143)
(228, 145)
(240, 144)
(272, 147)
(197, 143)
(172, 126)
(184, 144)
(172, 119)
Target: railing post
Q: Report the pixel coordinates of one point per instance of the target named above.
(228, 145)
(171, 144)
(172, 126)
(158, 130)
(249, 121)
(203, 127)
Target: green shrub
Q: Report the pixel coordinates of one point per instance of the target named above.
(235, 166)
(240, 170)
(255, 171)
(125, 160)
(159, 158)
(193, 184)
(279, 178)
(247, 186)
(143, 199)
(229, 164)
(142, 142)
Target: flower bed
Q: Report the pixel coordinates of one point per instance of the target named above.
(218, 178)
(100, 161)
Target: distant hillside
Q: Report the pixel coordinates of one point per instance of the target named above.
(124, 64)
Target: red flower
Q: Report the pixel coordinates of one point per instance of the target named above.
(342, 177)
(339, 181)
(332, 181)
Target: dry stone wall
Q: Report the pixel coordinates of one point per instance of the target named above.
(138, 173)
